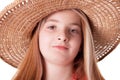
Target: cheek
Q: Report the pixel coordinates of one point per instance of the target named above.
(76, 43)
(44, 41)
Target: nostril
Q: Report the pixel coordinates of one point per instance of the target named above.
(62, 39)
(59, 39)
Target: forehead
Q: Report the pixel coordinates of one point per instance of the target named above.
(65, 15)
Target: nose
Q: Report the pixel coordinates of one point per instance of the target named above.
(63, 36)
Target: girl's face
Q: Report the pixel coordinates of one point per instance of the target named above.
(60, 37)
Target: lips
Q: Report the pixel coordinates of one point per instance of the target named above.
(60, 47)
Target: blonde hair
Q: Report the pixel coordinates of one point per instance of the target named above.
(90, 62)
(32, 67)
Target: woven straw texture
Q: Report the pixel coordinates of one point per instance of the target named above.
(19, 19)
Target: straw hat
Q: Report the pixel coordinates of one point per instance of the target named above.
(19, 19)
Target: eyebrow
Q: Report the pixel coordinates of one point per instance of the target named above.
(76, 24)
(53, 20)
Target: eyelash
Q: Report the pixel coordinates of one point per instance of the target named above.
(74, 31)
(51, 27)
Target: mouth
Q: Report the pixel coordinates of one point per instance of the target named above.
(61, 47)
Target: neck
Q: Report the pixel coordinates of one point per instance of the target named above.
(58, 72)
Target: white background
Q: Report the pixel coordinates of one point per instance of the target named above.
(109, 66)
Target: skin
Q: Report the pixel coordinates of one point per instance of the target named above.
(60, 38)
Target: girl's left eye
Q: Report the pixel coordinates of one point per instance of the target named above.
(74, 31)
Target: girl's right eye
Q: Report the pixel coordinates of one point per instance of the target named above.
(51, 27)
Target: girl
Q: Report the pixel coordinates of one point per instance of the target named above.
(60, 52)
(62, 45)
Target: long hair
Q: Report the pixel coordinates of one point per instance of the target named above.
(85, 64)
(31, 67)
(89, 62)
